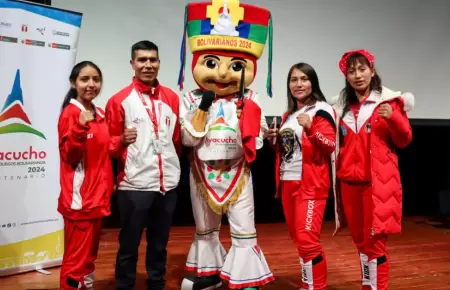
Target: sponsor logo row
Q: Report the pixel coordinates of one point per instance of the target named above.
(27, 41)
(42, 30)
(33, 42)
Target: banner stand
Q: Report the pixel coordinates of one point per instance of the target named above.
(38, 46)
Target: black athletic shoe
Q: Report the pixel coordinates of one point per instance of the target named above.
(192, 282)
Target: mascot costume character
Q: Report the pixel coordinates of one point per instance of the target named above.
(223, 123)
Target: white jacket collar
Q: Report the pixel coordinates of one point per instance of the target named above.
(81, 107)
(386, 94)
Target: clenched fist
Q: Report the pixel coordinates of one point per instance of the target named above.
(385, 111)
(86, 117)
(129, 136)
(304, 120)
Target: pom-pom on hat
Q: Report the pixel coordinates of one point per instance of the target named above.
(227, 25)
(365, 53)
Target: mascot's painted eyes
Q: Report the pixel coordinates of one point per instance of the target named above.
(237, 66)
(211, 63)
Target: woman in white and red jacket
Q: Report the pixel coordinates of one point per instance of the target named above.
(303, 148)
(373, 122)
(86, 175)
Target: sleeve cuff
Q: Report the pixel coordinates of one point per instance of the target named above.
(186, 124)
(395, 118)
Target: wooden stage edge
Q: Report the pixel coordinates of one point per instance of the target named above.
(420, 259)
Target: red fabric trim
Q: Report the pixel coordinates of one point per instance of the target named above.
(232, 285)
(201, 274)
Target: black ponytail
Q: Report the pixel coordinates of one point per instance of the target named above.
(72, 93)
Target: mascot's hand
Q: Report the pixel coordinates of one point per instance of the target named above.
(201, 114)
(207, 100)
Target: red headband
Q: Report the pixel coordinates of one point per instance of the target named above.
(365, 53)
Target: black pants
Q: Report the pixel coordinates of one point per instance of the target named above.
(139, 210)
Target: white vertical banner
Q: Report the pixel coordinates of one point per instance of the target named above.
(38, 46)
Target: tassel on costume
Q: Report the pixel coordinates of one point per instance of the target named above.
(183, 52)
(269, 70)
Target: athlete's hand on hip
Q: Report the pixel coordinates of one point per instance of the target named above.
(385, 111)
(129, 136)
(86, 117)
(304, 120)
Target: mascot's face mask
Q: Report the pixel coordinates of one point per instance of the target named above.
(225, 36)
(221, 72)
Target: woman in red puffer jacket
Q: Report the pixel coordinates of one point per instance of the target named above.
(372, 123)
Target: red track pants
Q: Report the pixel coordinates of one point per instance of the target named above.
(357, 202)
(304, 219)
(81, 241)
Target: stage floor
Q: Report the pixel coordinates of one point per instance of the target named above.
(420, 259)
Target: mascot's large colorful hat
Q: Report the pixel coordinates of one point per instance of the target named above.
(227, 25)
